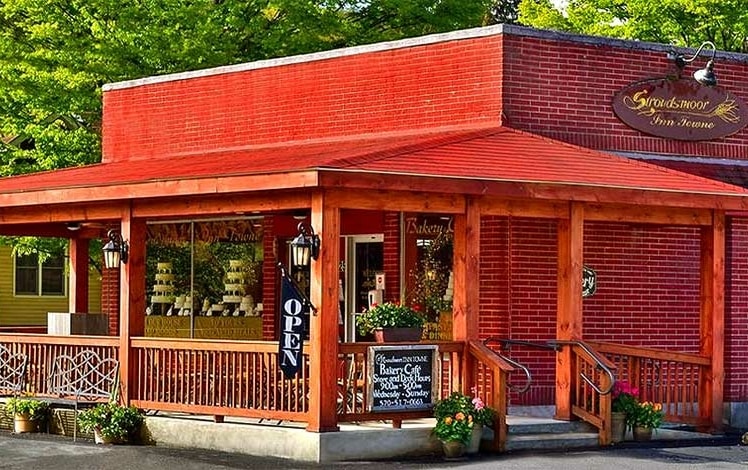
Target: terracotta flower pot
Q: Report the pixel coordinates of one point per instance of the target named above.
(22, 422)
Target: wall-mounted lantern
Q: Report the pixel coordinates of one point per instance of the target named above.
(305, 246)
(115, 251)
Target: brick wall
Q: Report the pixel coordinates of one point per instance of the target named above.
(110, 298)
(269, 277)
(648, 289)
(736, 311)
(392, 255)
(648, 285)
(564, 89)
(400, 89)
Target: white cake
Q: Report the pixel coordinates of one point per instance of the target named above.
(163, 287)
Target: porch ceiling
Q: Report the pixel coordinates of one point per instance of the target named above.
(496, 154)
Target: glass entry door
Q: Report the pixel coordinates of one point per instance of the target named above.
(364, 259)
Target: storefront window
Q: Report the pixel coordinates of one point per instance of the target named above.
(205, 269)
(428, 263)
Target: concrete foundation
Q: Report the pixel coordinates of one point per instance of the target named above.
(736, 415)
(353, 442)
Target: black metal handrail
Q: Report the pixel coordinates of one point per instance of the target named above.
(506, 343)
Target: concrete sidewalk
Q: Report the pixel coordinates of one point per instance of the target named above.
(44, 452)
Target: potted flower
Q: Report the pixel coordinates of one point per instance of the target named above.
(391, 321)
(27, 413)
(482, 416)
(643, 418)
(111, 422)
(624, 401)
(459, 423)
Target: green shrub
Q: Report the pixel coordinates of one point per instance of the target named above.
(36, 409)
(112, 421)
(389, 315)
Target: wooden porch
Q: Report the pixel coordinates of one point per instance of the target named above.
(242, 380)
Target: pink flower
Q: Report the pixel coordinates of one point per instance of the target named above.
(478, 403)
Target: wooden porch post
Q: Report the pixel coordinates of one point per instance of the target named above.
(466, 272)
(323, 334)
(712, 324)
(78, 292)
(569, 314)
(132, 298)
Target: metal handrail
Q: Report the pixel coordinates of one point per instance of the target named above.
(514, 363)
(598, 363)
(524, 369)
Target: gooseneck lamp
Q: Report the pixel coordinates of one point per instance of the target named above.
(704, 76)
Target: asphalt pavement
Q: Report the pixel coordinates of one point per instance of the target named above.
(45, 452)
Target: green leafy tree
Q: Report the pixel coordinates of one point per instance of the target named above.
(55, 55)
(504, 11)
(680, 22)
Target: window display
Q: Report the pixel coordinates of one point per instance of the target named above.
(204, 269)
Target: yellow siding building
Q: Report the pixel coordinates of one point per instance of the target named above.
(31, 310)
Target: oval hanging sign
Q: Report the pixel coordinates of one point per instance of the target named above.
(680, 109)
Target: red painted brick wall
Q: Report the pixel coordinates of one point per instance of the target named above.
(648, 289)
(648, 285)
(736, 311)
(269, 277)
(448, 83)
(392, 255)
(563, 89)
(110, 298)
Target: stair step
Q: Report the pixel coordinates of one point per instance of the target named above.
(520, 425)
(552, 441)
(547, 434)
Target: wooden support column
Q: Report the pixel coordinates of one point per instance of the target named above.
(323, 334)
(569, 314)
(466, 270)
(78, 292)
(132, 298)
(712, 321)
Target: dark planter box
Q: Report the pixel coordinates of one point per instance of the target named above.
(398, 335)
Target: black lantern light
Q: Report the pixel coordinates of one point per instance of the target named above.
(704, 76)
(115, 251)
(305, 246)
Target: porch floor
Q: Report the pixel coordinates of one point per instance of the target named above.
(363, 441)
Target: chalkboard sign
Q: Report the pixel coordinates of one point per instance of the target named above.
(402, 378)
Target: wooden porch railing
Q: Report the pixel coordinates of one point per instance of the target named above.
(487, 376)
(41, 351)
(670, 378)
(353, 402)
(593, 376)
(226, 378)
(489, 379)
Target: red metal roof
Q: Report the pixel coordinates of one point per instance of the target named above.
(497, 154)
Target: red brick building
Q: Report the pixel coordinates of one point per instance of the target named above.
(510, 134)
